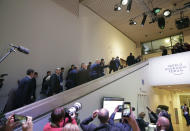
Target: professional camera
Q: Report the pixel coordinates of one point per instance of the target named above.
(75, 108)
(69, 112)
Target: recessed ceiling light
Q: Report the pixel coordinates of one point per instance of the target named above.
(167, 41)
(167, 13)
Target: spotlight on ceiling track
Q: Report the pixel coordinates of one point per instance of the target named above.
(117, 7)
(144, 19)
(167, 13)
(132, 22)
(124, 2)
(161, 22)
(129, 5)
(156, 11)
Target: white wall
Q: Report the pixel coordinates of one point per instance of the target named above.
(56, 36)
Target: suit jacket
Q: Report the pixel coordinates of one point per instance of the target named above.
(54, 86)
(34, 88)
(83, 77)
(130, 60)
(23, 92)
(121, 126)
(142, 124)
(91, 127)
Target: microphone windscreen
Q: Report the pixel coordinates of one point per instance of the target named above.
(23, 49)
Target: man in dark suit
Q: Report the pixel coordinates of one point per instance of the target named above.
(112, 65)
(24, 90)
(45, 83)
(34, 87)
(95, 70)
(83, 75)
(130, 60)
(61, 78)
(117, 62)
(54, 85)
(103, 116)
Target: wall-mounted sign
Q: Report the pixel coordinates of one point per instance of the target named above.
(170, 70)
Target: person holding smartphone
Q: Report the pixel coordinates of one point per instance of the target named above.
(128, 122)
(15, 120)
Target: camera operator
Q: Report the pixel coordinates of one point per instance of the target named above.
(127, 123)
(103, 116)
(58, 120)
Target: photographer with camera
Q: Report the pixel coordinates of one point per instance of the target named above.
(127, 123)
(59, 118)
(103, 116)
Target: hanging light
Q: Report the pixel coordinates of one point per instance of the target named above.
(156, 11)
(124, 2)
(144, 19)
(132, 22)
(167, 13)
(129, 5)
(161, 22)
(117, 7)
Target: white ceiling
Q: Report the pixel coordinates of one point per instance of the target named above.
(137, 33)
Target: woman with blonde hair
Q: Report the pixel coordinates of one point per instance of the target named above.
(70, 127)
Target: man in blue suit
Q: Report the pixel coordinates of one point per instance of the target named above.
(24, 90)
(103, 116)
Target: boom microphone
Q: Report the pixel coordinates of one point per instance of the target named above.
(21, 49)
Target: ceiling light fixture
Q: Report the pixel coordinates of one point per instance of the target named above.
(117, 7)
(144, 19)
(161, 22)
(132, 22)
(129, 5)
(124, 2)
(167, 13)
(156, 11)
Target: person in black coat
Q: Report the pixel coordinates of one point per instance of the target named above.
(72, 78)
(130, 60)
(102, 67)
(83, 75)
(54, 84)
(112, 66)
(140, 120)
(72, 67)
(45, 83)
(33, 98)
(24, 90)
(103, 116)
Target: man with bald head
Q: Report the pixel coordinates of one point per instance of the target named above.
(163, 124)
(103, 116)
